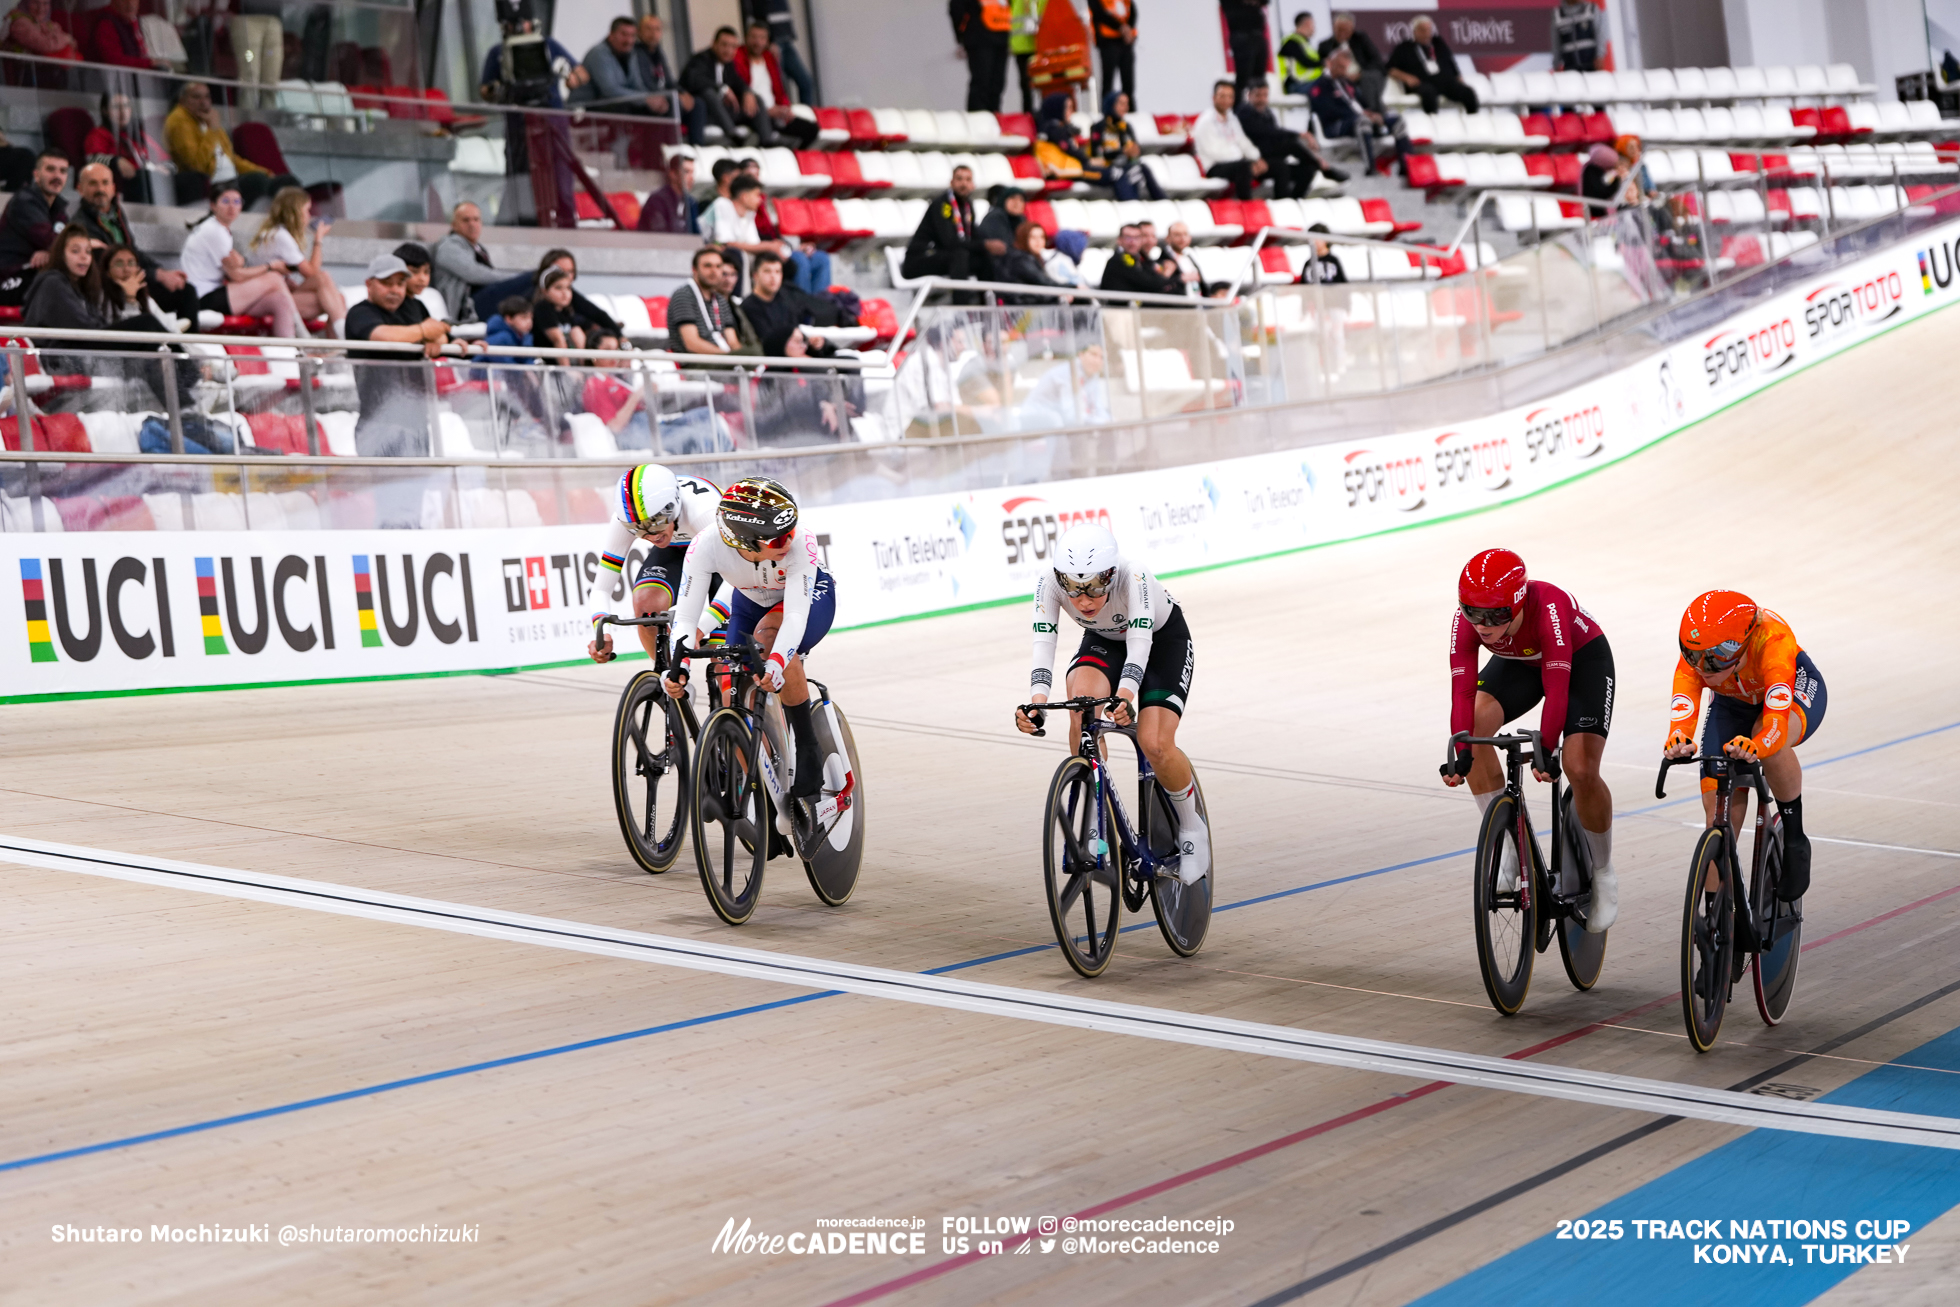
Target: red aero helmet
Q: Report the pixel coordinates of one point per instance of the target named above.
(1714, 628)
(1492, 586)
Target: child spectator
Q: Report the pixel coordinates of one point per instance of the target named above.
(510, 324)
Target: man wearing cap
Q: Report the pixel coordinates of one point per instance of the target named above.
(393, 386)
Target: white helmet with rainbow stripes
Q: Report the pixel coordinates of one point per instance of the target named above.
(649, 498)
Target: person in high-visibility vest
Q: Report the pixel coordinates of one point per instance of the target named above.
(982, 27)
(1116, 42)
(1300, 64)
(1025, 24)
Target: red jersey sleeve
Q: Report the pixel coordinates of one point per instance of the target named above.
(1463, 676)
(1555, 627)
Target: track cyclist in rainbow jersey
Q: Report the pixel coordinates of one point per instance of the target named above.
(1542, 645)
(1129, 622)
(781, 596)
(1768, 699)
(665, 512)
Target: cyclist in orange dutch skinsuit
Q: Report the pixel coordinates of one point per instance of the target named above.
(1769, 698)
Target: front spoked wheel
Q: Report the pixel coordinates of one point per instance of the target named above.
(651, 787)
(1782, 944)
(1707, 941)
(1082, 868)
(1183, 911)
(1505, 925)
(731, 817)
(1583, 952)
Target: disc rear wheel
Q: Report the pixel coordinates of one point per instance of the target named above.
(1583, 952)
(1183, 911)
(1505, 926)
(1082, 868)
(1776, 965)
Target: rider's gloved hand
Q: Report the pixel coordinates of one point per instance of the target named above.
(1741, 747)
(1546, 767)
(772, 673)
(1457, 767)
(1679, 744)
(1124, 711)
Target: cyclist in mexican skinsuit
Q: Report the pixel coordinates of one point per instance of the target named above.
(1133, 635)
(665, 512)
(1768, 699)
(781, 596)
(1542, 645)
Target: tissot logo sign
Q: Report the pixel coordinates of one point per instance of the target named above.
(1031, 526)
(1838, 307)
(1730, 356)
(1401, 483)
(1463, 460)
(1549, 432)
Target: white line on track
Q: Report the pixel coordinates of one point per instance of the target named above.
(1550, 1081)
(1862, 844)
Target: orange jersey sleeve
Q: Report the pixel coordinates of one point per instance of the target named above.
(1686, 708)
(1769, 670)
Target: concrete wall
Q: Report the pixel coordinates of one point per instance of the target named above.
(1880, 38)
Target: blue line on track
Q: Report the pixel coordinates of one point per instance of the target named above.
(346, 1095)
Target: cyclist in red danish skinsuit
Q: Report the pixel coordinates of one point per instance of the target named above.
(1543, 644)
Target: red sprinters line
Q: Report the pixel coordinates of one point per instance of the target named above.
(938, 1269)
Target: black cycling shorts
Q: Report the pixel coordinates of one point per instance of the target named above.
(1518, 686)
(1729, 717)
(662, 568)
(1166, 678)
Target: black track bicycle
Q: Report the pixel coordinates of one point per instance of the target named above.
(743, 814)
(1721, 927)
(1094, 864)
(652, 738)
(1514, 924)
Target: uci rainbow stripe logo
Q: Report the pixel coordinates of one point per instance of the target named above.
(35, 599)
(364, 599)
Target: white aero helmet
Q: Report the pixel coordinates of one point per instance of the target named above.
(1085, 560)
(649, 498)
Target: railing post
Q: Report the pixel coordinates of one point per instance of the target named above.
(24, 424)
(1701, 221)
(745, 380)
(1477, 285)
(307, 368)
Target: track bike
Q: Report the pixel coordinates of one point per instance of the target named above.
(1721, 928)
(652, 736)
(1095, 865)
(1512, 926)
(744, 767)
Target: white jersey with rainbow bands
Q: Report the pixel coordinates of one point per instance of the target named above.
(697, 515)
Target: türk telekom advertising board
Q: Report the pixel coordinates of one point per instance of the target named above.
(132, 611)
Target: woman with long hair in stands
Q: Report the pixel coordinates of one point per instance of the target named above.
(279, 243)
(129, 152)
(68, 294)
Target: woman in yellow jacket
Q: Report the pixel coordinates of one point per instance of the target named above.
(199, 145)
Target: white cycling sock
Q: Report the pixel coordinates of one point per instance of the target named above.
(1186, 804)
(1485, 800)
(1600, 845)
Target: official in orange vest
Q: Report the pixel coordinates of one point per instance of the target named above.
(1116, 42)
(982, 27)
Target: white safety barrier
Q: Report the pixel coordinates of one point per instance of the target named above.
(111, 612)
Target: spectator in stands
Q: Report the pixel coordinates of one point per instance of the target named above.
(116, 37)
(779, 313)
(1115, 22)
(1223, 149)
(619, 71)
(101, 216)
(650, 54)
(611, 397)
(277, 246)
(1113, 145)
(31, 29)
(131, 154)
(526, 284)
(1245, 27)
(421, 273)
(1321, 267)
(462, 263)
(1291, 157)
(218, 273)
(1640, 183)
(947, 243)
(1026, 262)
(16, 165)
(756, 62)
(945, 387)
(782, 35)
(673, 207)
(1023, 26)
(1070, 394)
(981, 27)
(700, 319)
(201, 149)
(1056, 149)
(721, 96)
(553, 320)
(27, 226)
(1177, 248)
(1371, 70)
(1130, 268)
(521, 20)
(1575, 36)
(1603, 178)
(68, 294)
(126, 294)
(731, 220)
(1300, 63)
(806, 267)
(1057, 262)
(1007, 209)
(1336, 100)
(1424, 65)
(510, 324)
(397, 417)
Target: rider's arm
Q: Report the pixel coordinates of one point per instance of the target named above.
(799, 591)
(619, 542)
(1687, 700)
(1136, 642)
(1047, 611)
(1555, 670)
(696, 572)
(1779, 678)
(1463, 677)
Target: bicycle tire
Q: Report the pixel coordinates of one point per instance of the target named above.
(729, 795)
(1775, 969)
(835, 860)
(1183, 911)
(1502, 923)
(639, 774)
(1707, 942)
(1582, 952)
(1077, 876)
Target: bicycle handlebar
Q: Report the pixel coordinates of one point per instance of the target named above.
(1081, 703)
(1510, 744)
(601, 620)
(1743, 767)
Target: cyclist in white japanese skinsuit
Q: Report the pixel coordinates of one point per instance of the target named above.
(781, 595)
(666, 512)
(1129, 622)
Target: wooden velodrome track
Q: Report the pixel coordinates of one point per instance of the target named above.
(165, 1050)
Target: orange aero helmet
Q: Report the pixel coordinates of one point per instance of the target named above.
(1714, 628)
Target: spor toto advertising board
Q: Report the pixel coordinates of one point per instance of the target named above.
(122, 611)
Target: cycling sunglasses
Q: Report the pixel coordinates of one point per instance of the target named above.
(1094, 588)
(1718, 659)
(1489, 616)
(754, 544)
(658, 522)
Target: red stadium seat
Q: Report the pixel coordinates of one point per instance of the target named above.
(1272, 258)
(1254, 215)
(847, 179)
(1747, 251)
(1379, 210)
(1541, 165)
(1807, 118)
(1778, 204)
(1025, 166)
(61, 432)
(1569, 130)
(1042, 214)
(1538, 124)
(1744, 162)
(587, 207)
(863, 128)
(627, 206)
(1836, 122)
(1422, 173)
(1567, 171)
(1598, 129)
(831, 121)
(404, 102)
(1227, 213)
(656, 309)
